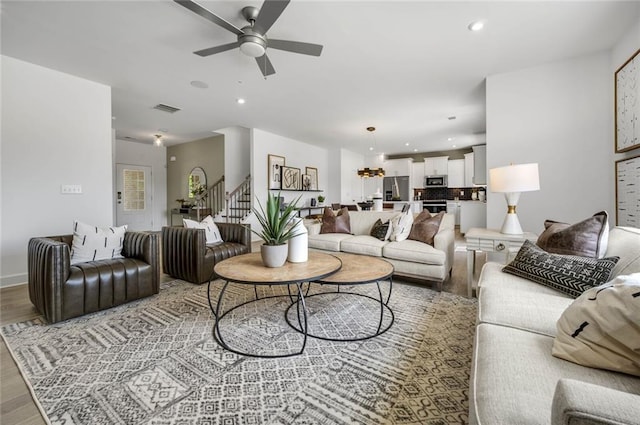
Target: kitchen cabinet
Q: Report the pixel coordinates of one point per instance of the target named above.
(468, 169)
(397, 167)
(472, 214)
(480, 164)
(436, 166)
(453, 207)
(417, 175)
(456, 173)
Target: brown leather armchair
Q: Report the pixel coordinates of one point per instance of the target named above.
(186, 256)
(60, 291)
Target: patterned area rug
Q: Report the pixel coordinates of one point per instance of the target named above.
(154, 361)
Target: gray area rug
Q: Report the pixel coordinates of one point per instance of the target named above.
(154, 361)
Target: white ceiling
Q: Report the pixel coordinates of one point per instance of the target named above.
(403, 67)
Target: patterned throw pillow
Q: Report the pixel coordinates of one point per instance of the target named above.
(587, 238)
(570, 274)
(600, 328)
(91, 243)
(401, 226)
(425, 229)
(381, 230)
(332, 223)
(211, 230)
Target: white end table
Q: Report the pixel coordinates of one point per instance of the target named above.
(491, 240)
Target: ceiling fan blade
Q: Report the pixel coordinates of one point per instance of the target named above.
(269, 13)
(217, 49)
(296, 47)
(199, 10)
(265, 65)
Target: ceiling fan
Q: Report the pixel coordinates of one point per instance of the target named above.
(252, 39)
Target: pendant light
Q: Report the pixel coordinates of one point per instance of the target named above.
(367, 172)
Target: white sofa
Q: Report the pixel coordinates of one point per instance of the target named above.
(409, 258)
(514, 377)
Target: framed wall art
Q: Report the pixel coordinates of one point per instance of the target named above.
(290, 178)
(628, 192)
(274, 171)
(627, 108)
(306, 182)
(312, 172)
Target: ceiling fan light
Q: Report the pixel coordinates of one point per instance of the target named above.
(252, 49)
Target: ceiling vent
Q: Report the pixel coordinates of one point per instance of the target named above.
(166, 108)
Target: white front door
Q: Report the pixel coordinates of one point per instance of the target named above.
(134, 198)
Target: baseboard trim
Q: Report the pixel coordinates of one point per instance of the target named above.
(13, 280)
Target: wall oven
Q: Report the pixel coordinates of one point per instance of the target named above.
(435, 181)
(434, 206)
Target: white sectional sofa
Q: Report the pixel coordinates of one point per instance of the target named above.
(514, 377)
(409, 258)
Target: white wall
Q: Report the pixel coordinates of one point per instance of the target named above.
(133, 153)
(352, 187)
(559, 115)
(56, 129)
(297, 154)
(237, 152)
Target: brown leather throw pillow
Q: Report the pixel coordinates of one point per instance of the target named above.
(332, 223)
(424, 228)
(587, 238)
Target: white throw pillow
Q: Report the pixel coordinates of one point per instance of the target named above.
(601, 328)
(91, 243)
(210, 228)
(401, 226)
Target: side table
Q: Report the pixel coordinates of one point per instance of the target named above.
(491, 240)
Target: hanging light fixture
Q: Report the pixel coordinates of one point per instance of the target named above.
(158, 141)
(367, 172)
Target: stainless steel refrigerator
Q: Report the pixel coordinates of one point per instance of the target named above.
(397, 188)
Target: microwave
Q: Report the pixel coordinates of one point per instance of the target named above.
(435, 181)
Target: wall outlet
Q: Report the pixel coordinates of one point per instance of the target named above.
(71, 189)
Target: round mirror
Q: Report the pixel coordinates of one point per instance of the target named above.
(197, 178)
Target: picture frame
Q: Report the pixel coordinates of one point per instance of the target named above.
(290, 178)
(312, 172)
(627, 193)
(274, 171)
(305, 182)
(627, 105)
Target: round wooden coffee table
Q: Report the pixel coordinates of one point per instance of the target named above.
(248, 269)
(356, 270)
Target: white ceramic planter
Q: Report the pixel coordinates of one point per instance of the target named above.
(274, 255)
(299, 244)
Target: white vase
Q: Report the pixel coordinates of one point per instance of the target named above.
(299, 245)
(274, 255)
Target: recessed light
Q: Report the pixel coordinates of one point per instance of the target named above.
(406, 144)
(415, 150)
(240, 101)
(453, 146)
(450, 139)
(476, 26)
(370, 148)
(200, 84)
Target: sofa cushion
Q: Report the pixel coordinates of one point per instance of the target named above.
(601, 328)
(570, 274)
(380, 230)
(363, 244)
(92, 243)
(414, 251)
(335, 223)
(624, 242)
(587, 238)
(514, 376)
(424, 229)
(328, 241)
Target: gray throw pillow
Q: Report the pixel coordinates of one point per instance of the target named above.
(570, 274)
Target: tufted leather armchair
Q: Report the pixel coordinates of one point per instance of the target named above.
(186, 256)
(60, 291)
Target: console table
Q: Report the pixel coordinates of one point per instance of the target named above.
(490, 240)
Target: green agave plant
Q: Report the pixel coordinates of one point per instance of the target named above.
(276, 224)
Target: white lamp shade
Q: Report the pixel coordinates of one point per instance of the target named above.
(514, 178)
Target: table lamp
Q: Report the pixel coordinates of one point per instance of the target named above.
(512, 180)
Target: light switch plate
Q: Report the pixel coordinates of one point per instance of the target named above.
(71, 189)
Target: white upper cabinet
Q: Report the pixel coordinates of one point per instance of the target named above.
(436, 166)
(480, 164)
(468, 169)
(397, 167)
(456, 173)
(417, 175)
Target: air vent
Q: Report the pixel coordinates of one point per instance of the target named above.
(166, 108)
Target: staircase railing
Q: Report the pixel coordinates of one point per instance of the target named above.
(238, 202)
(216, 197)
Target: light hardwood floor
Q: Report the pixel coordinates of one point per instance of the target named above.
(16, 404)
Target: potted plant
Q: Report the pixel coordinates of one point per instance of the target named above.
(321, 199)
(277, 229)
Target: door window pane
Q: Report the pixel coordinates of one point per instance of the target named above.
(134, 187)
